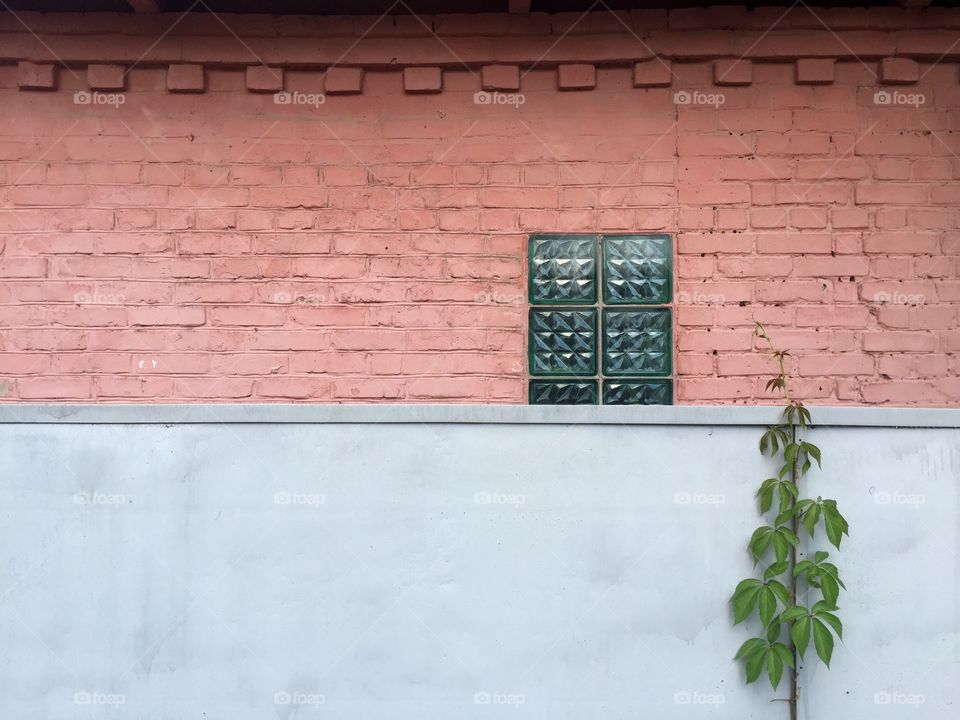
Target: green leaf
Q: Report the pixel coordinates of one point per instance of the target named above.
(778, 568)
(781, 547)
(786, 496)
(773, 630)
(767, 605)
(789, 535)
(819, 556)
(835, 524)
(784, 652)
(832, 620)
(750, 647)
(791, 614)
(774, 668)
(822, 641)
(810, 518)
(780, 590)
(830, 588)
(800, 633)
(766, 495)
(802, 567)
(760, 541)
(813, 451)
(744, 599)
(755, 664)
(790, 454)
(831, 569)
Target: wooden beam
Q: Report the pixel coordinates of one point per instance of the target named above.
(147, 6)
(519, 6)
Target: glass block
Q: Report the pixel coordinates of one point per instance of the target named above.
(563, 269)
(563, 342)
(563, 392)
(637, 392)
(636, 269)
(637, 342)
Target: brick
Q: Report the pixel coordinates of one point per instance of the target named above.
(899, 341)
(263, 79)
(36, 76)
(504, 78)
(732, 72)
(422, 80)
(186, 78)
(183, 316)
(343, 81)
(899, 71)
(578, 76)
(54, 388)
(106, 77)
(652, 73)
(833, 316)
(814, 71)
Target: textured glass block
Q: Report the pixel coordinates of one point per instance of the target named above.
(563, 269)
(637, 392)
(636, 269)
(563, 342)
(637, 342)
(563, 392)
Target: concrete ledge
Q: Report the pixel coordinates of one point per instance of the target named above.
(466, 414)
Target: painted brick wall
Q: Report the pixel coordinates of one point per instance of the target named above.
(172, 231)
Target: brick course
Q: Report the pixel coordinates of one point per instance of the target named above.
(365, 242)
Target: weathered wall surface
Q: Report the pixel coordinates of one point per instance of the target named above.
(434, 570)
(174, 232)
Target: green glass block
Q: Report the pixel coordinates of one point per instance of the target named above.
(563, 342)
(563, 392)
(562, 269)
(637, 392)
(637, 269)
(637, 342)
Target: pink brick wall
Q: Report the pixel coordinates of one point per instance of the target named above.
(184, 237)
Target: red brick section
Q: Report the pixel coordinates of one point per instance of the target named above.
(362, 239)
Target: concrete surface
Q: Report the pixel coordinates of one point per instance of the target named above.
(449, 570)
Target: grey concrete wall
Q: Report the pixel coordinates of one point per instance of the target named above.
(420, 568)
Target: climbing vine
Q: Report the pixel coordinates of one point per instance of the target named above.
(785, 597)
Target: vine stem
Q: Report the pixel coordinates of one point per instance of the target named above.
(794, 699)
(795, 670)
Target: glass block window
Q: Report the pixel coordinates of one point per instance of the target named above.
(600, 326)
